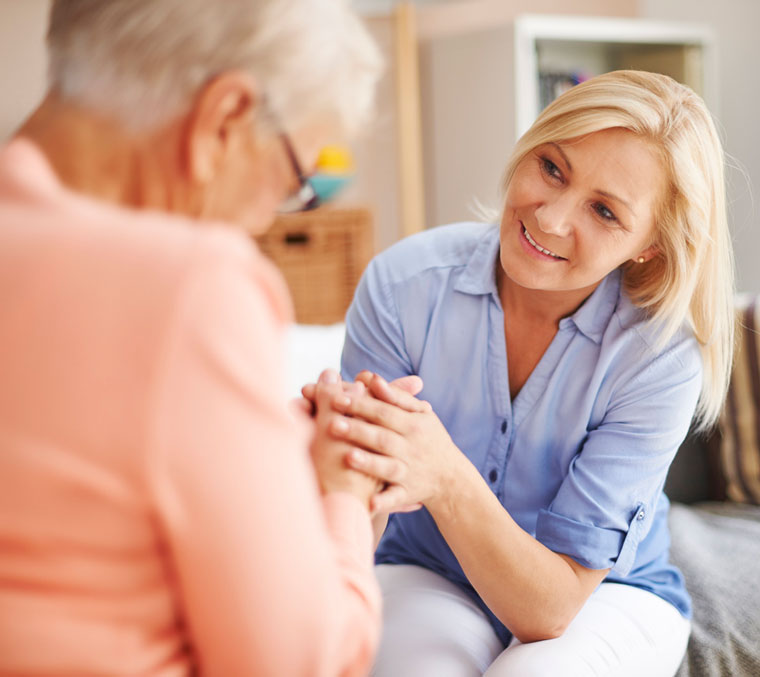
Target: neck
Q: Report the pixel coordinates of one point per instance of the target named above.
(98, 157)
(537, 306)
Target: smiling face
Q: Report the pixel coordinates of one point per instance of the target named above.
(576, 210)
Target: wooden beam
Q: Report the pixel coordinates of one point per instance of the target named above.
(411, 185)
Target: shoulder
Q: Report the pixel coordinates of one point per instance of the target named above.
(190, 256)
(170, 251)
(144, 258)
(643, 351)
(434, 251)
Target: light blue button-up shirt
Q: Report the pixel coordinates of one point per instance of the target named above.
(579, 457)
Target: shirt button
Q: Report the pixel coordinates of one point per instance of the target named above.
(504, 426)
(640, 516)
(493, 475)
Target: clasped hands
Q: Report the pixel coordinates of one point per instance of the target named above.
(377, 440)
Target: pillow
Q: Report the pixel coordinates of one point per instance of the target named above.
(739, 449)
(309, 349)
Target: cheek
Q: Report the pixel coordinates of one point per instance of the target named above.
(527, 192)
(522, 190)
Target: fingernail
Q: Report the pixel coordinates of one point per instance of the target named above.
(340, 426)
(329, 376)
(357, 456)
(342, 401)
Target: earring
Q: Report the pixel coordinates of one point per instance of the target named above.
(641, 259)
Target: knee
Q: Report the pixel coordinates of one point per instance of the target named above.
(538, 659)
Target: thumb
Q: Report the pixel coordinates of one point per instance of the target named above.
(410, 384)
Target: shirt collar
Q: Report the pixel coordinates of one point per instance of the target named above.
(479, 275)
(591, 319)
(595, 312)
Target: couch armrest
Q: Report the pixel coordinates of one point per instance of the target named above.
(695, 473)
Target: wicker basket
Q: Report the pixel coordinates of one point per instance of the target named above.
(322, 254)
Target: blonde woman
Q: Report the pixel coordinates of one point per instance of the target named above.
(564, 354)
(159, 511)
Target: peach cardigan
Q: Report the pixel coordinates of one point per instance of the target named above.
(158, 511)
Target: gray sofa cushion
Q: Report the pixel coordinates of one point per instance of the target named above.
(717, 547)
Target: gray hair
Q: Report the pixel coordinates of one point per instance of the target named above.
(143, 61)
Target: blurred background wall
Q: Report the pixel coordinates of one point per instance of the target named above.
(22, 59)
(735, 23)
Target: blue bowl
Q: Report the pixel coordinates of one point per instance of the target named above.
(327, 185)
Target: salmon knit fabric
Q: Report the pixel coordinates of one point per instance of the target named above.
(159, 514)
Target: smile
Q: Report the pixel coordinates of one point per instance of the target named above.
(539, 248)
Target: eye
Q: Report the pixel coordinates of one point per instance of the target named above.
(604, 212)
(549, 168)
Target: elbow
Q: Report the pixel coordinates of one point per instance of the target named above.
(539, 632)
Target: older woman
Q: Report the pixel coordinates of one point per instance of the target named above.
(564, 353)
(159, 513)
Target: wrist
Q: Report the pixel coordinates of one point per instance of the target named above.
(353, 483)
(452, 485)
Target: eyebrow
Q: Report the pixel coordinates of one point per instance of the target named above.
(627, 205)
(558, 148)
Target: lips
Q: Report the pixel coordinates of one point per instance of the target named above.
(538, 247)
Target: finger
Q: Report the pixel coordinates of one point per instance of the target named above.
(373, 411)
(354, 389)
(329, 376)
(365, 376)
(381, 467)
(410, 384)
(309, 391)
(303, 405)
(412, 507)
(324, 392)
(391, 499)
(384, 391)
(366, 435)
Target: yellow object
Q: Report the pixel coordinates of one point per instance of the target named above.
(335, 160)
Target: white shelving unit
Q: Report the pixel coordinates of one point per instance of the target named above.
(480, 89)
(686, 52)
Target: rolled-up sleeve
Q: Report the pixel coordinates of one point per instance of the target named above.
(605, 505)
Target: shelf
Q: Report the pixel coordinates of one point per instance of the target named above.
(592, 45)
(480, 89)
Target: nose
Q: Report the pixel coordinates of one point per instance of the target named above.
(556, 216)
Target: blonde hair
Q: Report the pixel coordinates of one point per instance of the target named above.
(691, 280)
(143, 61)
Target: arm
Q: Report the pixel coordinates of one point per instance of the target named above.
(537, 585)
(272, 577)
(535, 592)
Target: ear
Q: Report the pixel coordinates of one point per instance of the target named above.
(223, 114)
(647, 254)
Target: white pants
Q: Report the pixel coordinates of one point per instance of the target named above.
(431, 628)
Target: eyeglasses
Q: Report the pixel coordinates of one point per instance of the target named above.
(305, 197)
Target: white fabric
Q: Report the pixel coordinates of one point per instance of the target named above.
(431, 628)
(310, 349)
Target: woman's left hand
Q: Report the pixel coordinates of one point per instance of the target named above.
(410, 450)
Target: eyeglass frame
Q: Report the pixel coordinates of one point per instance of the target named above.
(305, 198)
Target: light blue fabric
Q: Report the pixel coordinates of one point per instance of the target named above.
(579, 458)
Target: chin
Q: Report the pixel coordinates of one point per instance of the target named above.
(521, 274)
